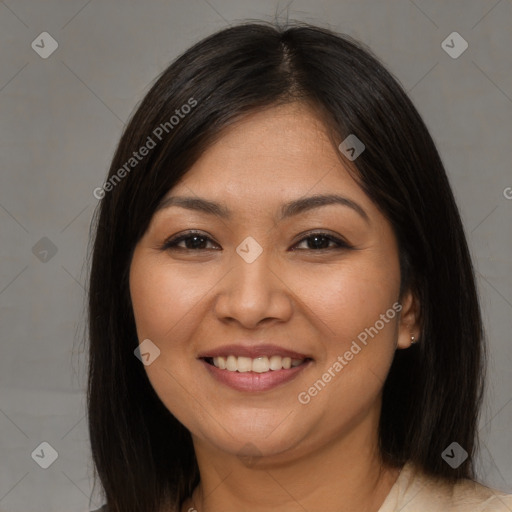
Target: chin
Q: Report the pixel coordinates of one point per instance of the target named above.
(248, 441)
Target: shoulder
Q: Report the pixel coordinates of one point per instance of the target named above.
(468, 495)
(417, 492)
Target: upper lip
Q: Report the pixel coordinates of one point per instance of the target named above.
(252, 351)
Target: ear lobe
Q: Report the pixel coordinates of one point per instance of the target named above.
(408, 328)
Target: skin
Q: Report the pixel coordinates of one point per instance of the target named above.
(318, 456)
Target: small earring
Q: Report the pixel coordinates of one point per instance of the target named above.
(413, 340)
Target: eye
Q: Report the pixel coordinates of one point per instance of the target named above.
(192, 241)
(323, 241)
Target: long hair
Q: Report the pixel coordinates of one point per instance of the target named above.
(143, 456)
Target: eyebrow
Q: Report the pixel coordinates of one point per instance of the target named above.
(287, 210)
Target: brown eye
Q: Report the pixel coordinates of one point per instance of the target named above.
(189, 241)
(323, 241)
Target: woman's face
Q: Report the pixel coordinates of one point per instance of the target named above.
(278, 277)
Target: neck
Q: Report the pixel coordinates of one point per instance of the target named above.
(346, 474)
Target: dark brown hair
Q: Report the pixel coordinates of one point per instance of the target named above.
(143, 456)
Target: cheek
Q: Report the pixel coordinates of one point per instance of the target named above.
(163, 298)
(349, 298)
(164, 302)
(355, 307)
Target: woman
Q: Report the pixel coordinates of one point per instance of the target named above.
(283, 311)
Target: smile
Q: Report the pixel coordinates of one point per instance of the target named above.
(262, 364)
(268, 372)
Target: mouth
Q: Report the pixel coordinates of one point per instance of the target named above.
(261, 364)
(255, 368)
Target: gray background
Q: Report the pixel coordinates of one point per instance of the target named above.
(62, 116)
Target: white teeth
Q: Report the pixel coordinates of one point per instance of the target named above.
(231, 364)
(276, 362)
(244, 364)
(260, 364)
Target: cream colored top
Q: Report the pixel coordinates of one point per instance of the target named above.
(416, 492)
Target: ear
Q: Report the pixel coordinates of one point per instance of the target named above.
(408, 322)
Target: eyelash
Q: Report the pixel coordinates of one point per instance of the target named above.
(172, 243)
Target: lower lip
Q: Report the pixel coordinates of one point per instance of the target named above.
(253, 381)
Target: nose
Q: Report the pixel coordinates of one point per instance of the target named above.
(254, 293)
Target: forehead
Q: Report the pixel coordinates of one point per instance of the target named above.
(279, 150)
